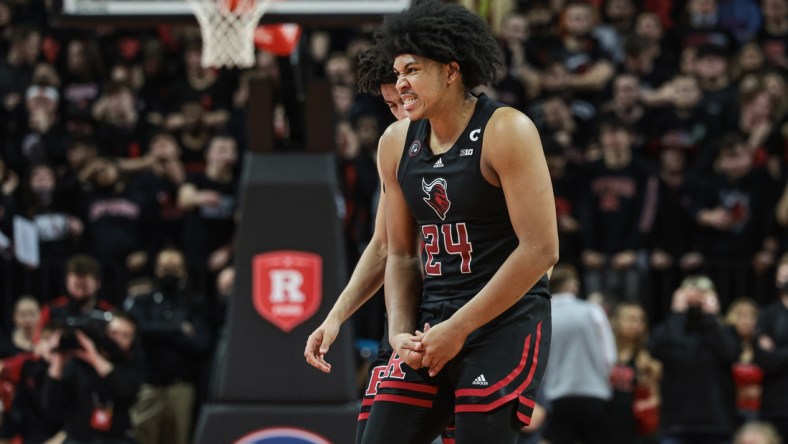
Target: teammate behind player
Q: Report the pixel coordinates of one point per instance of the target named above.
(374, 76)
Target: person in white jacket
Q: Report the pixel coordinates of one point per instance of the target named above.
(582, 354)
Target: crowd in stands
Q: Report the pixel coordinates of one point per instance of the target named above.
(664, 126)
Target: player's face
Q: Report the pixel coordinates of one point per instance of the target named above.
(419, 84)
(393, 100)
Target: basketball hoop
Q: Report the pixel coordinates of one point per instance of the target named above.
(227, 28)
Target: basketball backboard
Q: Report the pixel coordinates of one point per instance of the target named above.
(147, 12)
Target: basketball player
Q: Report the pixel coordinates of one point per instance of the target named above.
(374, 75)
(469, 176)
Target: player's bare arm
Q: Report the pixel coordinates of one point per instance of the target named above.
(513, 159)
(403, 280)
(366, 280)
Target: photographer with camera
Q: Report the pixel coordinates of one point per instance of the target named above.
(176, 336)
(80, 305)
(92, 387)
(697, 351)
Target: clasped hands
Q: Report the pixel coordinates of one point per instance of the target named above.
(431, 348)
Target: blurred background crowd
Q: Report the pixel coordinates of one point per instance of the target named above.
(664, 125)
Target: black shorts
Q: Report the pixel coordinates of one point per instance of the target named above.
(377, 371)
(500, 364)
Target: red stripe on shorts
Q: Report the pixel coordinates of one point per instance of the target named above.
(404, 400)
(459, 408)
(527, 402)
(524, 418)
(423, 388)
(482, 392)
(364, 416)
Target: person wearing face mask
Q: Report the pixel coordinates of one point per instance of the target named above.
(175, 334)
(772, 353)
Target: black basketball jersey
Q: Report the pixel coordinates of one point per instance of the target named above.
(463, 219)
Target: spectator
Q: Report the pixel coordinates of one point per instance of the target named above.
(588, 64)
(696, 351)
(626, 106)
(749, 60)
(648, 26)
(616, 210)
(641, 59)
(27, 314)
(567, 123)
(120, 132)
(684, 124)
(117, 229)
(743, 316)
(210, 200)
(757, 433)
(742, 18)
(701, 26)
(193, 134)
(635, 377)
(79, 153)
(339, 69)
(16, 69)
(712, 68)
(773, 36)
(755, 120)
(618, 17)
(732, 208)
(159, 187)
(26, 418)
(39, 138)
(210, 89)
(59, 230)
(771, 354)
(674, 250)
(92, 386)
(577, 379)
(518, 50)
(565, 178)
(82, 77)
(83, 281)
(175, 335)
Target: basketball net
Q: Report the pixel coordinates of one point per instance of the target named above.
(227, 28)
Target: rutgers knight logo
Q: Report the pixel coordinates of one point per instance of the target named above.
(287, 287)
(437, 198)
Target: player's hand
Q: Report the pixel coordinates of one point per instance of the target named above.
(317, 345)
(441, 344)
(409, 348)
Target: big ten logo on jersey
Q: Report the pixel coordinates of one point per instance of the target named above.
(287, 287)
(391, 370)
(282, 435)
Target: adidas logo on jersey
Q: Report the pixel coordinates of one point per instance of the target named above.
(480, 380)
(438, 164)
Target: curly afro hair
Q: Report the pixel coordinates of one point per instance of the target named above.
(445, 33)
(374, 70)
